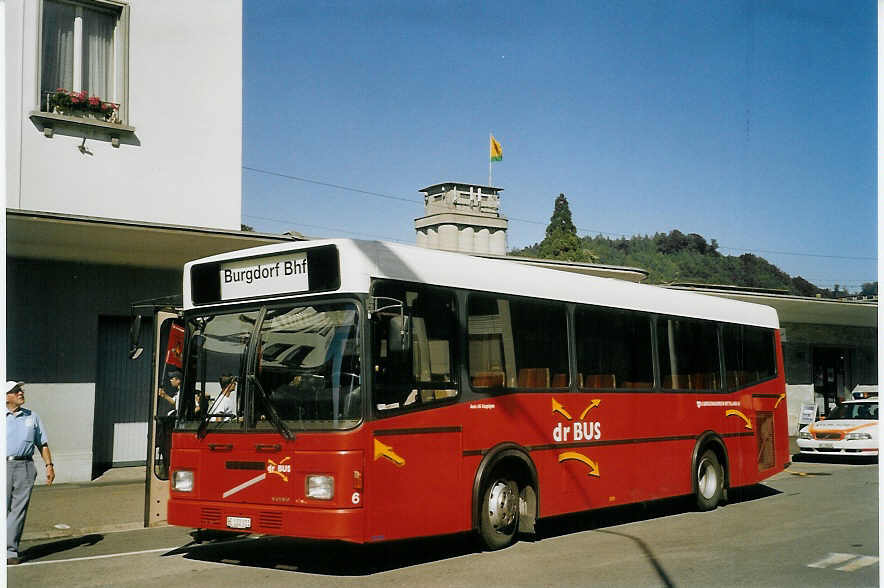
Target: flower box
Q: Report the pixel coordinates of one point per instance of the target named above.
(80, 104)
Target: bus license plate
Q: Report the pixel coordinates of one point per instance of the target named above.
(239, 522)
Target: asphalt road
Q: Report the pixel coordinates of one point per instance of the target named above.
(814, 525)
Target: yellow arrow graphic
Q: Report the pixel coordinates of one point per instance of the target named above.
(595, 402)
(780, 399)
(381, 450)
(593, 466)
(741, 415)
(556, 407)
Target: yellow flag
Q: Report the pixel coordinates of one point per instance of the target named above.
(496, 150)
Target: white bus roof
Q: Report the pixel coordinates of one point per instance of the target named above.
(361, 261)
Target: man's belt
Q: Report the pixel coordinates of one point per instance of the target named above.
(19, 458)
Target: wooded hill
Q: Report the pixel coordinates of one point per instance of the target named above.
(670, 258)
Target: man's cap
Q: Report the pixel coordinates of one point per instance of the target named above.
(11, 385)
(175, 374)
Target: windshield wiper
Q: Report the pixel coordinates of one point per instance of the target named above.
(204, 425)
(203, 429)
(274, 416)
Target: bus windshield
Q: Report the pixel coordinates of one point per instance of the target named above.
(288, 368)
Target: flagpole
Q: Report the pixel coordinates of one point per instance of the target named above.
(490, 134)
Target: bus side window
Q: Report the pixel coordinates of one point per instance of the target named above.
(614, 349)
(517, 343)
(491, 352)
(749, 355)
(688, 354)
(422, 372)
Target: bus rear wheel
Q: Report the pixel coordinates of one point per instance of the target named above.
(499, 515)
(709, 481)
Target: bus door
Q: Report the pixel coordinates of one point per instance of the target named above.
(413, 465)
(413, 483)
(167, 362)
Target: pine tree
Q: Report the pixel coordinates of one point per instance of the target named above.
(561, 218)
(561, 241)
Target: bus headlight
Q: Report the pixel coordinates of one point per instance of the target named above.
(804, 435)
(858, 436)
(320, 487)
(182, 481)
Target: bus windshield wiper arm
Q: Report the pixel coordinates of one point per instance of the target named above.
(274, 416)
(204, 424)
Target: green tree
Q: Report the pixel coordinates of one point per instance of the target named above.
(672, 257)
(869, 289)
(561, 241)
(561, 218)
(802, 287)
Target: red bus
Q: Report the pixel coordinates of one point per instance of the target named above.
(382, 392)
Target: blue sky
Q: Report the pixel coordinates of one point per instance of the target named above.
(748, 122)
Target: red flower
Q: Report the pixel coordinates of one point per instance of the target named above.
(94, 101)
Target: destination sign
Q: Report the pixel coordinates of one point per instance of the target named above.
(264, 276)
(317, 269)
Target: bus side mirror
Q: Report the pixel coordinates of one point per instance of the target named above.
(135, 348)
(400, 334)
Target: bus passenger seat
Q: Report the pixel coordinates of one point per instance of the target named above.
(534, 378)
(703, 381)
(492, 379)
(601, 381)
(677, 382)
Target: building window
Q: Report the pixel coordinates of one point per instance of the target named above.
(82, 51)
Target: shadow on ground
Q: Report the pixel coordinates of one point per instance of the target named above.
(336, 558)
(53, 547)
(845, 459)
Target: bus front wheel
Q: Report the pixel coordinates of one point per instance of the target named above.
(499, 516)
(709, 481)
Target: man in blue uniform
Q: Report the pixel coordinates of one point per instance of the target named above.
(24, 432)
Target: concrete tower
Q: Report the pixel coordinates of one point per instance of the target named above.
(462, 217)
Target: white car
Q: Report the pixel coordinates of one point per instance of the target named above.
(850, 429)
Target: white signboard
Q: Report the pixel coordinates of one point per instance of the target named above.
(264, 276)
(808, 413)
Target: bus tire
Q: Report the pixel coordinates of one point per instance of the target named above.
(709, 481)
(499, 511)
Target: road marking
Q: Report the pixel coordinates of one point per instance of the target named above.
(860, 562)
(73, 559)
(834, 559)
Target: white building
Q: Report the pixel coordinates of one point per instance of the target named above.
(105, 205)
(462, 217)
(174, 69)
